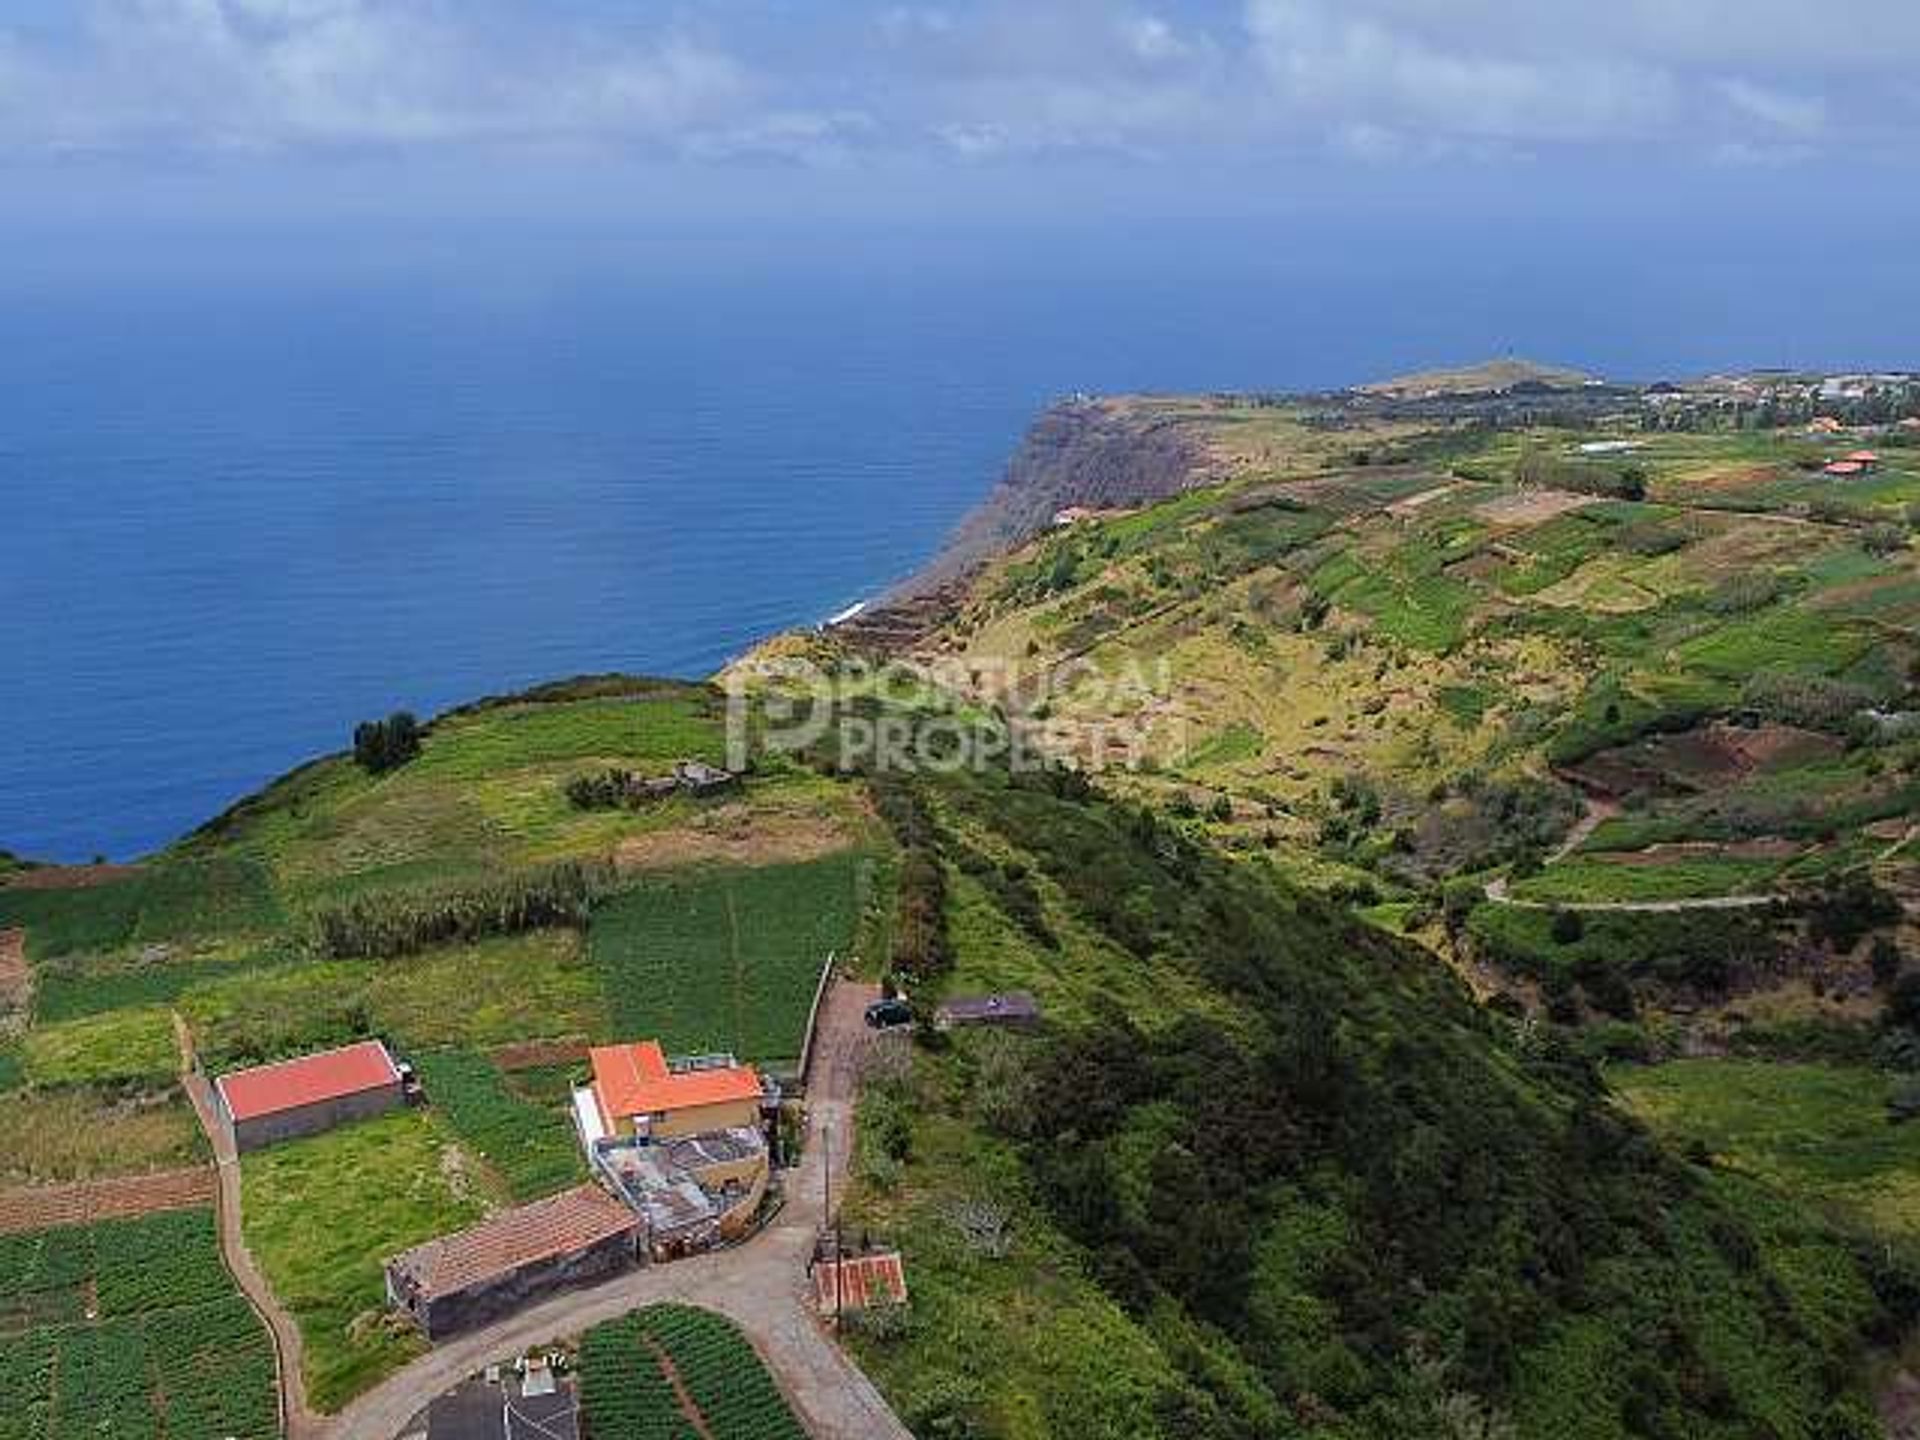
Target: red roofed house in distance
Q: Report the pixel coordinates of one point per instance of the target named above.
(313, 1093)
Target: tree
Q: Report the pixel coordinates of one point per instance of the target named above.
(382, 745)
(1903, 1003)
(1567, 928)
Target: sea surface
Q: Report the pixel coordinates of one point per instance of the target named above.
(258, 487)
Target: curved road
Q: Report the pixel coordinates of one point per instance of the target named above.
(761, 1284)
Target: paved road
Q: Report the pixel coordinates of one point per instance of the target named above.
(761, 1284)
(296, 1419)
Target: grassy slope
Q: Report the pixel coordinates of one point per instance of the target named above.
(323, 1214)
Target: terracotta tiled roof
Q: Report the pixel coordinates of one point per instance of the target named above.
(864, 1280)
(636, 1080)
(503, 1243)
(329, 1075)
(1863, 457)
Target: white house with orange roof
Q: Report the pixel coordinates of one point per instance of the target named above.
(640, 1094)
(679, 1140)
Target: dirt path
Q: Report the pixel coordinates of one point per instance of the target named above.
(41, 1207)
(761, 1284)
(682, 1396)
(1496, 891)
(1600, 809)
(297, 1422)
(16, 981)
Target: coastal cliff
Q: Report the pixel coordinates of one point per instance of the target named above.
(1098, 453)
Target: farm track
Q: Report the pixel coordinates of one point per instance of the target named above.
(41, 1207)
(297, 1422)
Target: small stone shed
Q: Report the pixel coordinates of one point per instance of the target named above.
(316, 1092)
(1016, 1008)
(511, 1259)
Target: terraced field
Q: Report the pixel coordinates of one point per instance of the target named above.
(130, 1327)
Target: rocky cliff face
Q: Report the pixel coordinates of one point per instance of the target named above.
(1101, 454)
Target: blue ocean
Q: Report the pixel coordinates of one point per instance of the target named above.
(259, 486)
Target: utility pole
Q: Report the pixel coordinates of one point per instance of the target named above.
(826, 1179)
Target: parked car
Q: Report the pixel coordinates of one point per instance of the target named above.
(885, 1014)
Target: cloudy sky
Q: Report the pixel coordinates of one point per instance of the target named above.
(864, 104)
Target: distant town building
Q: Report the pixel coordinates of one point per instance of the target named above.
(277, 1102)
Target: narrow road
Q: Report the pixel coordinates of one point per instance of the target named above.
(761, 1284)
(1496, 891)
(296, 1420)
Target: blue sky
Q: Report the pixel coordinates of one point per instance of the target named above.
(1022, 106)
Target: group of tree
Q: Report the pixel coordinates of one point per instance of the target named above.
(383, 745)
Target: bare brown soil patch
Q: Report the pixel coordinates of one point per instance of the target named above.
(41, 1207)
(1766, 848)
(1708, 757)
(16, 976)
(737, 835)
(71, 877)
(1531, 507)
(534, 1054)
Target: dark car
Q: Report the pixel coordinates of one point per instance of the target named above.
(884, 1014)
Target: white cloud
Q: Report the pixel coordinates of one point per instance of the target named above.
(1343, 66)
(1793, 114)
(1391, 80)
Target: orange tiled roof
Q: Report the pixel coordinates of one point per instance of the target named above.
(1864, 457)
(636, 1080)
(268, 1089)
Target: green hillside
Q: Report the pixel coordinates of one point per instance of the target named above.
(1272, 1173)
(1472, 951)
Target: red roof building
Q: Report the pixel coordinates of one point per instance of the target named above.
(637, 1088)
(309, 1094)
(859, 1282)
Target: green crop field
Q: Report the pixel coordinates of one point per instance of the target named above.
(626, 1395)
(725, 959)
(1816, 1133)
(323, 1214)
(1597, 879)
(161, 902)
(130, 1328)
(531, 1146)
